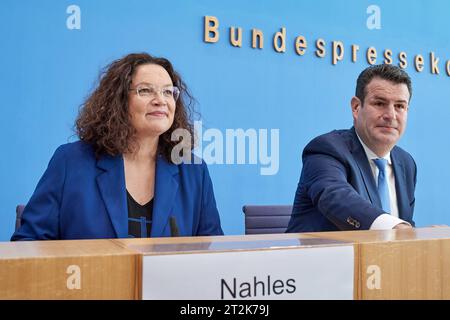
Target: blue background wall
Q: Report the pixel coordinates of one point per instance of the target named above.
(47, 70)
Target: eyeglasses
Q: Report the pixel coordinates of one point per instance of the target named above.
(149, 91)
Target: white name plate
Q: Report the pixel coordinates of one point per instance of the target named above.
(296, 273)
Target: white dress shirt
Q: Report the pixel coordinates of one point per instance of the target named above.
(391, 219)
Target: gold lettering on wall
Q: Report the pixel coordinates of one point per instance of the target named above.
(257, 36)
(238, 36)
(371, 55)
(236, 42)
(211, 26)
(355, 49)
(402, 60)
(337, 52)
(434, 63)
(388, 56)
(280, 36)
(320, 45)
(300, 45)
(418, 63)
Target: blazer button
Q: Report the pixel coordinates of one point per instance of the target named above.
(350, 221)
(353, 222)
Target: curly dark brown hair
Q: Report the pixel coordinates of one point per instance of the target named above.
(104, 120)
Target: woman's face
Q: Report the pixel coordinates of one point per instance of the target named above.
(151, 100)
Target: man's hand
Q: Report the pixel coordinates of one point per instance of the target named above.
(402, 226)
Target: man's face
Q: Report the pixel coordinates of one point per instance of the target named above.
(381, 119)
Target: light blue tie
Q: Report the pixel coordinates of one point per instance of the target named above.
(383, 189)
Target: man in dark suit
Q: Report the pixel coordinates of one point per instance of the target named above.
(358, 179)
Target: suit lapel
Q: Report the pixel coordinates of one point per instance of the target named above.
(400, 185)
(111, 182)
(166, 187)
(364, 167)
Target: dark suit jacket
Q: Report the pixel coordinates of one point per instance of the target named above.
(81, 197)
(337, 190)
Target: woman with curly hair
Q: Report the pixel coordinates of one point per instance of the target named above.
(120, 179)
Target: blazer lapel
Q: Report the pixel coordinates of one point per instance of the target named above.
(111, 182)
(364, 167)
(400, 185)
(166, 187)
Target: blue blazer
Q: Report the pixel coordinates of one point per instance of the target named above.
(81, 197)
(337, 190)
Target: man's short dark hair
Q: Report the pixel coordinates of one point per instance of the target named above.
(384, 71)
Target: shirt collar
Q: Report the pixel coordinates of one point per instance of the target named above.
(370, 154)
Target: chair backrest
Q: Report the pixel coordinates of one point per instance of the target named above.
(19, 210)
(266, 219)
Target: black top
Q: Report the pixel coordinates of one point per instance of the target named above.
(139, 218)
